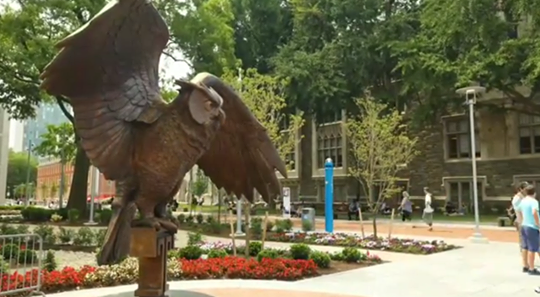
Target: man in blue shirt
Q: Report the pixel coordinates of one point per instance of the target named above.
(530, 235)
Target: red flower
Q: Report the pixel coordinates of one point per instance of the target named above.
(70, 278)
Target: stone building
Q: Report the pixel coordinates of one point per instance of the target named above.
(507, 151)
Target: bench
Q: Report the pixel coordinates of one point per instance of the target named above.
(503, 221)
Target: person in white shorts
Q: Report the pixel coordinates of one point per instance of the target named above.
(427, 216)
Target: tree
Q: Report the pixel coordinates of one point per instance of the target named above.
(494, 43)
(44, 191)
(59, 142)
(53, 190)
(381, 147)
(18, 167)
(264, 96)
(23, 189)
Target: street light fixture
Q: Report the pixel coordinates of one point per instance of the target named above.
(471, 94)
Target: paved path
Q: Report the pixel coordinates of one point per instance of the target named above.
(477, 270)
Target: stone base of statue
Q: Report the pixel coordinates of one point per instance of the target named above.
(151, 247)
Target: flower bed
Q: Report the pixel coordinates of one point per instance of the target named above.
(127, 273)
(370, 242)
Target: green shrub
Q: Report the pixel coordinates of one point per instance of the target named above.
(284, 225)
(22, 229)
(194, 238)
(256, 226)
(210, 219)
(46, 233)
(307, 226)
(6, 229)
(269, 226)
(213, 227)
(66, 235)
(190, 252)
(27, 257)
(267, 253)
(199, 218)
(10, 251)
(84, 237)
(300, 251)
(351, 255)
(217, 253)
(255, 248)
(36, 214)
(4, 265)
(73, 215)
(100, 236)
(49, 263)
(322, 259)
(189, 219)
(181, 218)
(105, 216)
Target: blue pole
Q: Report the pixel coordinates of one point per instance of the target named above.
(329, 195)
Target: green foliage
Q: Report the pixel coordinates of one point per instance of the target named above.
(10, 251)
(46, 233)
(284, 225)
(73, 215)
(307, 226)
(254, 248)
(300, 251)
(23, 190)
(18, 167)
(4, 265)
(322, 259)
(381, 147)
(267, 253)
(66, 235)
(199, 218)
(100, 236)
(49, 263)
(58, 142)
(190, 252)
(36, 214)
(264, 95)
(200, 185)
(351, 255)
(84, 236)
(181, 218)
(27, 257)
(217, 253)
(256, 226)
(194, 238)
(105, 216)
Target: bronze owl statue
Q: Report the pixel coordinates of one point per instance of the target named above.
(108, 70)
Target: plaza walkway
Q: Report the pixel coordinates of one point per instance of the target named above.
(476, 270)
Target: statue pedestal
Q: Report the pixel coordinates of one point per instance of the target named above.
(151, 247)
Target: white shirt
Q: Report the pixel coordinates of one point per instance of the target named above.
(515, 203)
(427, 201)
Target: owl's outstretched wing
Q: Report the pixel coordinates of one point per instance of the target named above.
(242, 157)
(109, 71)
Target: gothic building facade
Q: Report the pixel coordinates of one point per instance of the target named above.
(507, 151)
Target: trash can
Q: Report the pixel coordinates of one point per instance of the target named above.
(308, 219)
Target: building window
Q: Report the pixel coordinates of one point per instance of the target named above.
(529, 134)
(458, 139)
(461, 194)
(329, 146)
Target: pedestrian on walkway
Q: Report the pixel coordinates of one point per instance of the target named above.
(427, 216)
(530, 224)
(520, 193)
(406, 207)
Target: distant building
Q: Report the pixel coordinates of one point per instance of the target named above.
(4, 153)
(46, 114)
(16, 135)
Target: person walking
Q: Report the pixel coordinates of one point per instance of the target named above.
(406, 207)
(427, 216)
(516, 200)
(527, 210)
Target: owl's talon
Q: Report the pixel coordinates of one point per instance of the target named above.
(147, 222)
(168, 225)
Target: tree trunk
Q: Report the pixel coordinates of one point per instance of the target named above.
(375, 224)
(79, 184)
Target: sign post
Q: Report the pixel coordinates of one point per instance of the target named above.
(329, 196)
(287, 203)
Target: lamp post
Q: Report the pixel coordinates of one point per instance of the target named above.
(27, 184)
(93, 185)
(471, 94)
